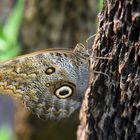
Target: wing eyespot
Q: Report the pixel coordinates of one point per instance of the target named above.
(50, 70)
(64, 92)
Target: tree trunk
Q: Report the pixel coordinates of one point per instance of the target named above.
(53, 23)
(111, 108)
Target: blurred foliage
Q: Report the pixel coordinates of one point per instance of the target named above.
(5, 133)
(9, 45)
(100, 5)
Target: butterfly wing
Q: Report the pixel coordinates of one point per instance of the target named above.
(50, 83)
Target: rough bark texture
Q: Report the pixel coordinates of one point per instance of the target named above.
(53, 23)
(111, 109)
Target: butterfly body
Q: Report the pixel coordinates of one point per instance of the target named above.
(51, 83)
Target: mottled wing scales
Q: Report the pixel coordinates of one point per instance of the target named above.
(50, 83)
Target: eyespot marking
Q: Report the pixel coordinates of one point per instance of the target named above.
(48, 84)
(64, 92)
(50, 70)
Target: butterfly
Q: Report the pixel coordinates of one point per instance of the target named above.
(51, 83)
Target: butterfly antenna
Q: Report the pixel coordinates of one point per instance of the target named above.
(90, 38)
(99, 72)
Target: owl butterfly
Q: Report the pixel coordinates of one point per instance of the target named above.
(51, 83)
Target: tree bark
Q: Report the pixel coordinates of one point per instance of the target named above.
(111, 108)
(53, 23)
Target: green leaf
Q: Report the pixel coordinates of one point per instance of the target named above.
(9, 46)
(12, 25)
(5, 133)
(10, 53)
